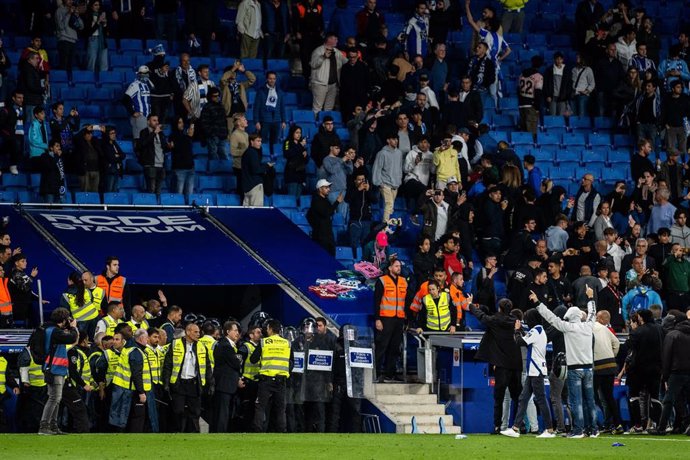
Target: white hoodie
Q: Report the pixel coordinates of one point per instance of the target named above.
(577, 334)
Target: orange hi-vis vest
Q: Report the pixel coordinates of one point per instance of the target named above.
(459, 300)
(302, 10)
(393, 300)
(115, 289)
(5, 299)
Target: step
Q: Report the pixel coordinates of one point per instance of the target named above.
(427, 428)
(423, 419)
(414, 409)
(402, 389)
(390, 400)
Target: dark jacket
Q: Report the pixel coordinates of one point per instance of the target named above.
(675, 358)
(360, 202)
(673, 110)
(296, 166)
(252, 169)
(113, 158)
(51, 180)
(609, 299)
(167, 365)
(498, 346)
(522, 244)
(321, 145)
(81, 154)
(146, 146)
(212, 120)
(354, 83)
(645, 345)
(320, 217)
(30, 83)
(266, 114)
(607, 75)
(182, 154)
(566, 90)
(228, 367)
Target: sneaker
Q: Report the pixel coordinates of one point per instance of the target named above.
(547, 434)
(511, 433)
(618, 430)
(497, 430)
(45, 430)
(637, 430)
(594, 434)
(576, 436)
(656, 432)
(14, 170)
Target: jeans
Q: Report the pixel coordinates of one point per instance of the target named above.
(50, 411)
(556, 395)
(676, 138)
(96, 55)
(557, 108)
(581, 399)
(271, 131)
(112, 183)
(184, 181)
(533, 385)
(580, 103)
(154, 177)
(274, 46)
(648, 131)
(216, 148)
(604, 104)
(530, 410)
(359, 230)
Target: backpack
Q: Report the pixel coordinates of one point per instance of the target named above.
(640, 301)
(560, 366)
(37, 345)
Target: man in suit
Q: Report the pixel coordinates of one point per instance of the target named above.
(227, 376)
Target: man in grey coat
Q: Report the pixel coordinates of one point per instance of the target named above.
(387, 172)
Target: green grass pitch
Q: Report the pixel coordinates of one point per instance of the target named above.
(335, 446)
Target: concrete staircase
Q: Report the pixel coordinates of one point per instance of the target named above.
(402, 401)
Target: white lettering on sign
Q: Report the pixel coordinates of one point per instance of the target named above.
(124, 224)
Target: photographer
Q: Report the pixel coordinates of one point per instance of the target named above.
(59, 332)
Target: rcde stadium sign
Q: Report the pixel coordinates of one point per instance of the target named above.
(124, 223)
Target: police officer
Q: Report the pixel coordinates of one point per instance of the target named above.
(390, 298)
(226, 376)
(185, 372)
(250, 374)
(78, 385)
(294, 398)
(341, 401)
(318, 383)
(275, 355)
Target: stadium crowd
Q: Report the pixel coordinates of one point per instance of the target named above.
(417, 129)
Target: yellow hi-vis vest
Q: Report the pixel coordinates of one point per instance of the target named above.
(154, 363)
(3, 370)
(251, 370)
(178, 351)
(110, 324)
(275, 357)
(83, 368)
(210, 343)
(437, 316)
(113, 361)
(135, 327)
(91, 307)
(36, 377)
(123, 374)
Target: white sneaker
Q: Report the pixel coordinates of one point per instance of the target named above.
(511, 433)
(576, 436)
(14, 170)
(594, 434)
(547, 434)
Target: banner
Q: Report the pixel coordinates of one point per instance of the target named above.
(298, 362)
(155, 247)
(320, 360)
(361, 357)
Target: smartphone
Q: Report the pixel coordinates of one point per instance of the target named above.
(96, 127)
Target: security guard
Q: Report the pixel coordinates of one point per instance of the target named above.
(6, 380)
(109, 322)
(6, 320)
(250, 374)
(34, 392)
(94, 295)
(209, 340)
(462, 303)
(132, 388)
(275, 355)
(78, 384)
(155, 355)
(186, 371)
(439, 277)
(113, 284)
(138, 320)
(438, 313)
(103, 373)
(82, 303)
(390, 298)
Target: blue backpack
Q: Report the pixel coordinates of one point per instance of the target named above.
(640, 301)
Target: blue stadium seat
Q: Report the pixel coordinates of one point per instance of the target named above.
(594, 156)
(572, 156)
(559, 42)
(8, 197)
(117, 198)
(623, 141)
(544, 155)
(558, 173)
(503, 121)
(202, 199)
(509, 103)
(16, 182)
(130, 182)
(87, 198)
(300, 218)
(114, 79)
(131, 45)
(285, 201)
(574, 140)
(599, 140)
(343, 254)
(221, 63)
(522, 138)
(613, 174)
(144, 199)
(305, 202)
(76, 92)
(278, 65)
(548, 139)
(211, 184)
(25, 196)
(96, 95)
(172, 199)
(224, 199)
(90, 111)
(337, 117)
(303, 116)
(501, 135)
(83, 76)
(201, 165)
(580, 123)
(56, 76)
(618, 156)
(219, 166)
(603, 124)
(253, 64)
(133, 166)
(121, 62)
(553, 122)
(568, 165)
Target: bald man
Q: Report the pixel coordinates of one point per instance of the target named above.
(138, 320)
(580, 284)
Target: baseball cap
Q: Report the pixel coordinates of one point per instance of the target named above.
(382, 239)
(452, 180)
(143, 69)
(464, 131)
(322, 183)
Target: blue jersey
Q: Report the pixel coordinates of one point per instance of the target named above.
(140, 93)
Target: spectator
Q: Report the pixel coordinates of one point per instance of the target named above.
(63, 128)
(113, 160)
(38, 134)
(662, 212)
(587, 15)
(165, 13)
(320, 216)
(68, 25)
(359, 197)
(275, 27)
(557, 88)
(486, 292)
(196, 95)
(249, 26)
(137, 101)
(89, 160)
(416, 32)
(646, 35)
(674, 109)
(213, 124)
(577, 327)
(295, 152)
(513, 16)
(606, 346)
(387, 173)
(609, 300)
(626, 45)
(308, 27)
(680, 232)
(354, 83)
(253, 172)
(482, 71)
(152, 146)
(21, 290)
(499, 349)
(534, 174)
(674, 69)
(323, 140)
(52, 187)
(269, 111)
(672, 172)
(531, 84)
(425, 263)
(163, 91)
(586, 201)
(182, 157)
(557, 236)
(12, 129)
(436, 215)
(521, 245)
(5, 64)
(326, 63)
(438, 70)
(369, 21)
(418, 169)
(29, 84)
(647, 112)
(640, 61)
(603, 220)
(676, 278)
(584, 84)
(337, 169)
(445, 159)
(95, 24)
(639, 298)
(239, 142)
(377, 251)
(440, 22)
(493, 231)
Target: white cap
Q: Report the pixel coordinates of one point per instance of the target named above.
(143, 69)
(322, 183)
(451, 180)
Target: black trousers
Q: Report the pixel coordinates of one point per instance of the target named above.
(223, 411)
(163, 408)
(30, 408)
(247, 397)
(186, 405)
(76, 408)
(66, 57)
(642, 388)
(678, 300)
(603, 393)
(315, 416)
(388, 342)
(137, 415)
(505, 379)
(678, 385)
(102, 410)
(341, 405)
(270, 404)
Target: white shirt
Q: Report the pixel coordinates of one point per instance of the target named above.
(441, 220)
(617, 253)
(536, 351)
(102, 326)
(431, 100)
(189, 365)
